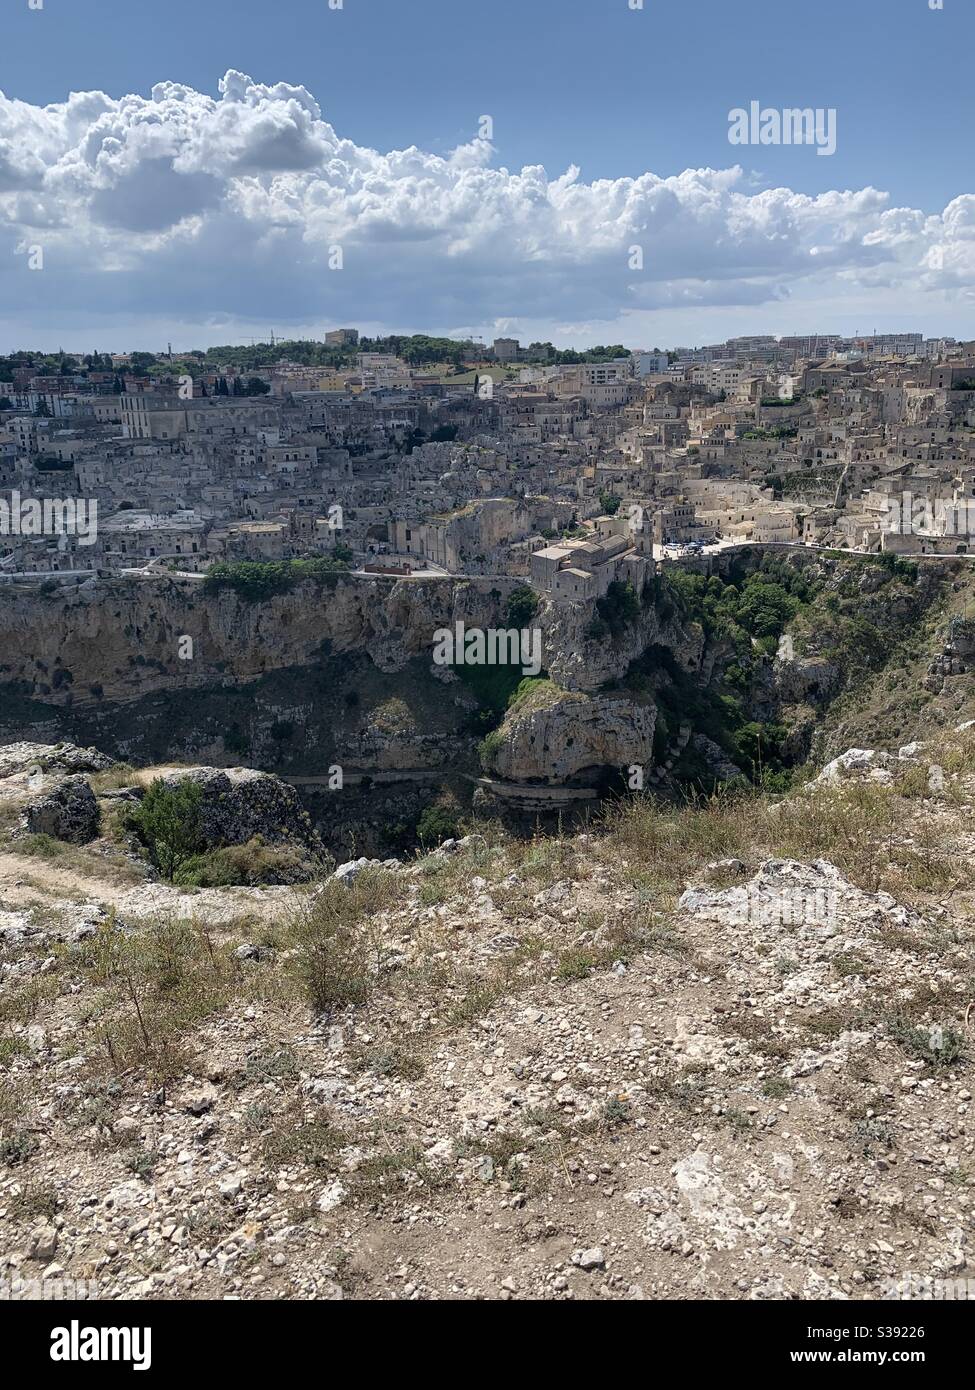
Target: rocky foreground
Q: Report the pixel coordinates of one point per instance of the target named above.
(719, 1052)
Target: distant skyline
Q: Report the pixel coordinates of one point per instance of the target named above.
(173, 203)
(185, 349)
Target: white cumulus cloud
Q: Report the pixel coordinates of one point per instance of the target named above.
(186, 209)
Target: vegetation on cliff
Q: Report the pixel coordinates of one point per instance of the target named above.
(754, 607)
(849, 617)
(522, 606)
(530, 692)
(168, 823)
(255, 581)
(616, 610)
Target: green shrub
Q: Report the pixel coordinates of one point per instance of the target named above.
(938, 1046)
(18, 1148)
(436, 824)
(491, 686)
(488, 748)
(619, 607)
(256, 581)
(521, 607)
(251, 865)
(169, 824)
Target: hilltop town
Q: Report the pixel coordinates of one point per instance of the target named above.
(635, 965)
(569, 470)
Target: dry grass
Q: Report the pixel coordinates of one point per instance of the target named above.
(872, 833)
(156, 985)
(121, 775)
(663, 844)
(79, 859)
(295, 1139)
(144, 993)
(339, 938)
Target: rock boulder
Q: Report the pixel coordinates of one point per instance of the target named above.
(555, 734)
(240, 803)
(68, 811)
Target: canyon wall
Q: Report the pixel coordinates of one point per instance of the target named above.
(329, 674)
(122, 639)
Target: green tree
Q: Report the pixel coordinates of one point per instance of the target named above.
(766, 608)
(257, 580)
(521, 607)
(168, 821)
(436, 824)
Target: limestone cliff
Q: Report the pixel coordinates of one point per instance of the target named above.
(553, 735)
(123, 639)
(577, 660)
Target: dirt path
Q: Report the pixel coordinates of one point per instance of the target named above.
(26, 881)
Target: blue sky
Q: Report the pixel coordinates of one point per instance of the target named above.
(592, 85)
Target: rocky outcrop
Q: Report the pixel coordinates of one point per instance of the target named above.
(45, 757)
(123, 639)
(68, 812)
(956, 655)
(961, 638)
(804, 679)
(721, 766)
(557, 734)
(379, 748)
(240, 804)
(857, 764)
(813, 900)
(578, 661)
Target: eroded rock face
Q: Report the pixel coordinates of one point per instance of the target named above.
(722, 767)
(554, 739)
(381, 749)
(806, 678)
(240, 803)
(50, 757)
(68, 812)
(118, 639)
(961, 638)
(577, 661)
